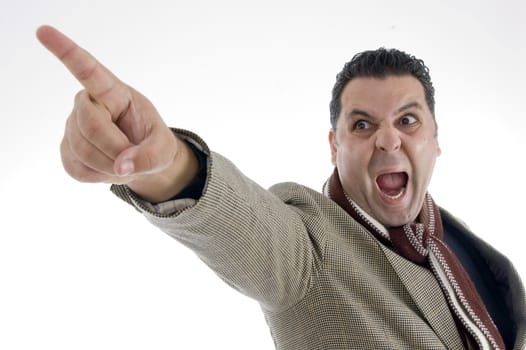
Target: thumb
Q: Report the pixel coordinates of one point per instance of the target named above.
(125, 163)
(148, 157)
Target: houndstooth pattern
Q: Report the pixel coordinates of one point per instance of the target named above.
(322, 280)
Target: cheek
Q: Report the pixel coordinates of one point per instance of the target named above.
(426, 147)
(342, 156)
(424, 158)
(351, 160)
(334, 155)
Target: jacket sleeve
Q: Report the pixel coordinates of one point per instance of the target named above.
(254, 241)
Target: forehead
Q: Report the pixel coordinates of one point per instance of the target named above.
(382, 96)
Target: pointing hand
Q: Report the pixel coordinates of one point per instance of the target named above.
(114, 134)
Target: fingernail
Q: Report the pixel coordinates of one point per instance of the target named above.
(127, 167)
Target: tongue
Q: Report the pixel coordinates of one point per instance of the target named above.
(392, 183)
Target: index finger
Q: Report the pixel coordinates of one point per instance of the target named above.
(104, 87)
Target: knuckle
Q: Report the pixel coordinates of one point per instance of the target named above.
(76, 152)
(87, 72)
(78, 96)
(67, 157)
(80, 172)
(74, 172)
(71, 165)
(78, 146)
(82, 175)
(89, 127)
(86, 113)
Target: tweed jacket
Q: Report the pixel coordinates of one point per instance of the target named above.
(322, 280)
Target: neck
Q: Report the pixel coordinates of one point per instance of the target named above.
(380, 227)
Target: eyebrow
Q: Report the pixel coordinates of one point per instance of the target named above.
(409, 105)
(359, 112)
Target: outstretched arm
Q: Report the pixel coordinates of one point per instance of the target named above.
(114, 134)
(255, 240)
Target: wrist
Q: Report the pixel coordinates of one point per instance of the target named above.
(166, 184)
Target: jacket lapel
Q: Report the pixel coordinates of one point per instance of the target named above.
(425, 291)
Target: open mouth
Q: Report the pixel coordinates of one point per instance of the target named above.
(392, 185)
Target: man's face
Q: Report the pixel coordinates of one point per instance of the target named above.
(385, 146)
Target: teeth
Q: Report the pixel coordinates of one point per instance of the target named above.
(396, 196)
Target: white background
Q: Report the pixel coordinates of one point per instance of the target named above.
(81, 270)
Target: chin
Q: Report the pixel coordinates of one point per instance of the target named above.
(395, 223)
(397, 219)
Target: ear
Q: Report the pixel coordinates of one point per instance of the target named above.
(439, 150)
(333, 144)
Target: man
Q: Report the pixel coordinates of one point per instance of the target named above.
(370, 263)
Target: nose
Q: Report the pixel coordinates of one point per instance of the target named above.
(388, 139)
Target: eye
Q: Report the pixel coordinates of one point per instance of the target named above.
(408, 120)
(362, 125)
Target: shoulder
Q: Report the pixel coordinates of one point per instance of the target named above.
(302, 197)
(314, 207)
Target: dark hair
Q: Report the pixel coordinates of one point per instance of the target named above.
(380, 64)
